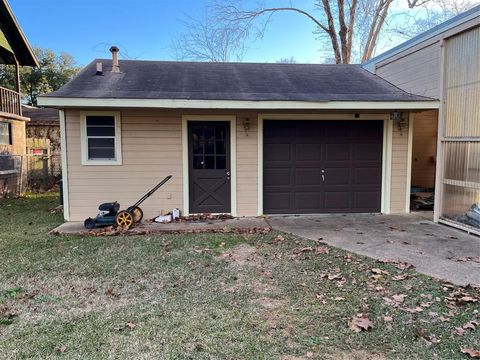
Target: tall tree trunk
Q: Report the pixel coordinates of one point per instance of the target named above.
(331, 31)
(351, 24)
(375, 28)
(343, 30)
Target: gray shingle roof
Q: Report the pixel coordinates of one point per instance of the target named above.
(41, 116)
(231, 81)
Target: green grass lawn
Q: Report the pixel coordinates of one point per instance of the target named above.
(214, 296)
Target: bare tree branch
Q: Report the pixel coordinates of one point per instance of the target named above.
(361, 25)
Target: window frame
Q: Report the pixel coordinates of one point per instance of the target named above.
(84, 138)
(10, 133)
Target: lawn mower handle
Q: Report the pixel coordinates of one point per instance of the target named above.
(147, 195)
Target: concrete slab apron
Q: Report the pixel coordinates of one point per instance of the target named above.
(430, 247)
(239, 224)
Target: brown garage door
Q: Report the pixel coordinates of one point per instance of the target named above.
(322, 166)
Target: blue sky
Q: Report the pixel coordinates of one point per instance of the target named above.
(145, 29)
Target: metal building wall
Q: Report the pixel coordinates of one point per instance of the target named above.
(459, 173)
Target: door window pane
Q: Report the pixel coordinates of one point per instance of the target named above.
(221, 162)
(220, 150)
(209, 162)
(209, 147)
(198, 162)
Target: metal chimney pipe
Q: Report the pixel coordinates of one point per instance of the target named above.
(115, 67)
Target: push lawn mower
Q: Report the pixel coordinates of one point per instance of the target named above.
(109, 213)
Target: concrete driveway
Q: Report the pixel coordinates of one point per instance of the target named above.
(432, 248)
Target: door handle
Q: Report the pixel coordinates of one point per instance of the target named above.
(323, 175)
(228, 174)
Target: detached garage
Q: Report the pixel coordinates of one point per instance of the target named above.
(238, 138)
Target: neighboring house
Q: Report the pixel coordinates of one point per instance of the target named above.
(43, 146)
(444, 63)
(239, 138)
(14, 50)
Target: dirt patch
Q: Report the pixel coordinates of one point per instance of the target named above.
(243, 255)
(268, 303)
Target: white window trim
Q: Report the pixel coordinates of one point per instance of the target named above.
(118, 138)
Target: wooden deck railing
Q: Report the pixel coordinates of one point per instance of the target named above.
(10, 102)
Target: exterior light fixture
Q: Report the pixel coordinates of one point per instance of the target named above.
(397, 118)
(246, 125)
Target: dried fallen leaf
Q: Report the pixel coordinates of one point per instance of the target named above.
(413, 310)
(468, 299)
(62, 349)
(321, 250)
(470, 325)
(131, 326)
(459, 331)
(474, 354)
(398, 264)
(467, 258)
(309, 354)
(387, 318)
(395, 301)
(360, 323)
(339, 298)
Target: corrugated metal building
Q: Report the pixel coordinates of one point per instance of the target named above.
(444, 63)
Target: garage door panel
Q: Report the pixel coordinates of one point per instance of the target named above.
(367, 152)
(307, 130)
(367, 176)
(337, 129)
(279, 202)
(337, 176)
(277, 133)
(337, 200)
(277, 152)
(338, 152)
(308, 201)
(308, 152)
(350, 153)
(308, 176)
(366, 200)
(277, 177)
(369, 131)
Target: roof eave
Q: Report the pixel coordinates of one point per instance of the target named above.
(63, 102)
(25, 55)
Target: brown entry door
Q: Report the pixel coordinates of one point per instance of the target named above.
(209, 166)
(322, 166)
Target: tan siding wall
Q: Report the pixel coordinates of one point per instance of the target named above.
(418, 73)
(247, 162)
(152, 149)
(399, 169)
(416, 69)
(425, 127)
